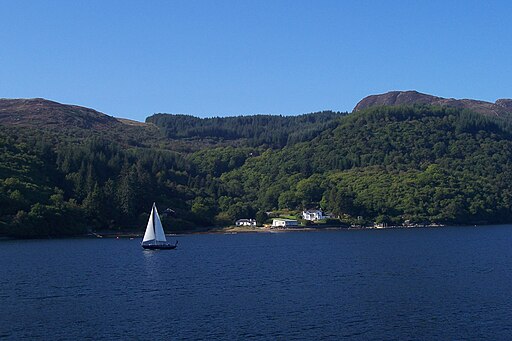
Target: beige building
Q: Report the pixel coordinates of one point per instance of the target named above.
(285, 223)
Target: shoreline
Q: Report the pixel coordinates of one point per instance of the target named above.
(240, 229)
(218, 230)
(233, 230)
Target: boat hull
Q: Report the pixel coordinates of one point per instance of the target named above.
(159, 246)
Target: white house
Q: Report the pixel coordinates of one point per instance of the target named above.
(313, 215)
(285, 223)
(245, 222)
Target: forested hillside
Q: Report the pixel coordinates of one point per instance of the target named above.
(391, 164)
(385, 164)
(60, 179)
(257, 130)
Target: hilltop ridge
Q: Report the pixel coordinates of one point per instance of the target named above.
(501, 108)
(40, 111)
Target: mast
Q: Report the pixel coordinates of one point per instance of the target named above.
(153, 215)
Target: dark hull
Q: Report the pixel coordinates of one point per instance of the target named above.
(159, 247)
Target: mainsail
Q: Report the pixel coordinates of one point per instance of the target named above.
(159, 230)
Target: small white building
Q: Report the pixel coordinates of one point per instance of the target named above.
(285, 223)
(246, 222)
(380, 225)
(313, 215)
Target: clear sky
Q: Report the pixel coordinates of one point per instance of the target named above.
(218, 58)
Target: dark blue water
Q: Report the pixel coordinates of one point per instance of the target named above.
(425, 284)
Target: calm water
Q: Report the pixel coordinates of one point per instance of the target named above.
(437, 284)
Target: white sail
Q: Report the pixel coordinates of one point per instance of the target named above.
(150, 229)
(159, 230)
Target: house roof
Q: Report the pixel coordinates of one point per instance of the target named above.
(312, 211)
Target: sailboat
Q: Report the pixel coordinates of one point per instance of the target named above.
(154, 237)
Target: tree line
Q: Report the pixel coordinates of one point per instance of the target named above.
(274, 131)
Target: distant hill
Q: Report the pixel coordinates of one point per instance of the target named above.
(501, 108)
(391, 164)
(252, 130)
(73, 121)
(47, 114)
(176, 132)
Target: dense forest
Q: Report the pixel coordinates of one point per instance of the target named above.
(385, 164)
(255, 131)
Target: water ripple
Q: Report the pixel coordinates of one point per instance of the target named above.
(424, 284)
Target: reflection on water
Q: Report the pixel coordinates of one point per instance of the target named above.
(447, 283)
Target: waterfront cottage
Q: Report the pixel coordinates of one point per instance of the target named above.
(285, 223)
(313, 215)
(246, 222)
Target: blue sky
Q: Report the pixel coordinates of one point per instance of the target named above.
(218, 58)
